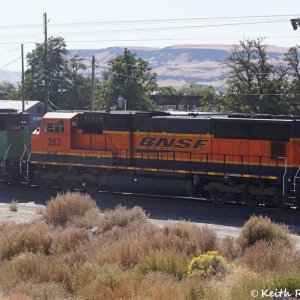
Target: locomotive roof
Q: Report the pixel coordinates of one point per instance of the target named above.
(166, 115)
(60, 115)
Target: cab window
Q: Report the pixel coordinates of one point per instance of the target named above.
(54, 127)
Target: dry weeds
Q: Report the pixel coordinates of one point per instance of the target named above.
(119, 254)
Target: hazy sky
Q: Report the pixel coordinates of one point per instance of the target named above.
(92, 24)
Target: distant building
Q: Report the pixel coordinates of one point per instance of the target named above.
(3, 94)
(35, 109)
(177, 102)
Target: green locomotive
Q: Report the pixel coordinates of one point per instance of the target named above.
(14, 146)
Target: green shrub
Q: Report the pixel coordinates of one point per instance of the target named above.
(169, 262)
(262, 228)
(64, 207)
(195, 291)
(242, 289)
(208, 264)
(288, 279)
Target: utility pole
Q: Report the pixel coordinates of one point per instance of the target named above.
(93, 84)
(46, 77)
(23, 96)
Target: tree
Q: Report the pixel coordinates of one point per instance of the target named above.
(77, 92)
(11, 92)
(193, 89)
(130, 78)
(167, 90)
(67, 89)
(254, 84)
(292, 58)
(209, 99)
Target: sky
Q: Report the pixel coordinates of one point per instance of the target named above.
(96, 24)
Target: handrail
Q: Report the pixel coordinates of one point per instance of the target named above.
(284, 174)
(4, 158)
(27, 164)
(295, 179)
(22, 158)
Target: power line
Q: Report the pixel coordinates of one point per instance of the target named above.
(10, 63)
(9, 51)
(14, 43)
(165, 28)
(178, 39)
(139, 21)
(155, 28)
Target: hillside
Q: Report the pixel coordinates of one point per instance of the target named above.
(176, 65)
(181, 64)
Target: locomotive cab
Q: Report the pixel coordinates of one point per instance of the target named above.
(54, 134)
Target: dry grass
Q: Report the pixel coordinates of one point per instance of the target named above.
(169, 262)
(40, 211)
(119, 217)
(45, 291)
(34, 237)
(64, 207)
(189, 238)
(265, 256)
(262, 228)
(119, 254)
(230, 248)
(13, 206)
(17, 296)
(68, 239)
(39, 268)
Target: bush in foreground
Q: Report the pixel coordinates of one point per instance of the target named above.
(169, 262)
(208, 264)
(64, 207)
(262, 228)
(34, 237)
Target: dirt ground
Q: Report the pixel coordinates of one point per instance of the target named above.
(25, 213)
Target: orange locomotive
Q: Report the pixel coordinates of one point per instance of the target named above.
(222, 158)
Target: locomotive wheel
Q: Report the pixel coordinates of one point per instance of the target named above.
(216, 197)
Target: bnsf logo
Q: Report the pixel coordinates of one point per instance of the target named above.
(177, 143)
